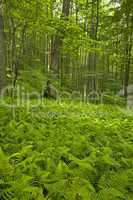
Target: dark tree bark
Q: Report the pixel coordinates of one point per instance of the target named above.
(66, 8)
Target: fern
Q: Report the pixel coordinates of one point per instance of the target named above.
(66, 151)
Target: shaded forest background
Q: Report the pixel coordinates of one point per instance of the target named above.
(83, 45)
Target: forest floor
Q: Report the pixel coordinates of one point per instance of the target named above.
(71, 151)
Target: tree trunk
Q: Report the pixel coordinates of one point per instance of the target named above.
(128, 50)
(93, 36)
(2, 52)
(57, 40)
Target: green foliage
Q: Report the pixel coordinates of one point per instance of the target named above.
(66, 151)
(113, 99)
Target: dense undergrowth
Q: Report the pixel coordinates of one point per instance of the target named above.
(66, 152)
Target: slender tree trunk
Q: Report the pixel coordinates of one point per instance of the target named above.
(128, 50)
(93, 36)
(2, 52)
(57, 40)
(127, 69)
